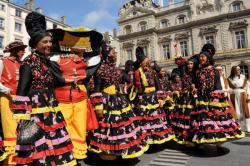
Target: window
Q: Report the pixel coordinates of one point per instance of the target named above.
(210, 39)
(54, 26)
(166, 51)
(128, 29)
(129, 54)
(240, 39)
(18, 27)
(244, 70)
(164, 24)
(145, 50)
(181, 19)
(18, 13)
(1, 23)
(2, 7)
(1, 41)
(184, 48)
(142, 26)
(236, 7)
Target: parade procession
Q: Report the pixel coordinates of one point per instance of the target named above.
(69, 95)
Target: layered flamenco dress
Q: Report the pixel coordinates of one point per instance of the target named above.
(35, 102)
(119, 133)
(212, 121)
(154, 124)
(180, 116)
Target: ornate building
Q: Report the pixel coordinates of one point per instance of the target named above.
(164, 30)
(12, 22)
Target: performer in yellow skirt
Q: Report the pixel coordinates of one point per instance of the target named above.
(9, 74)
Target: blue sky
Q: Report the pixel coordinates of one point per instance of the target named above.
(98, 14)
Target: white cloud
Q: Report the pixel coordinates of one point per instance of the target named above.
(99, 19)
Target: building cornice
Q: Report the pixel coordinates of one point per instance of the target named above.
(120, 21)
(190, 24)
(173, 10)
(136, 34)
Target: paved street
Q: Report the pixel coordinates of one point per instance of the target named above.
(235, 153)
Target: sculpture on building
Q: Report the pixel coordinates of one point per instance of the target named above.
(144, 6)
(204, 6)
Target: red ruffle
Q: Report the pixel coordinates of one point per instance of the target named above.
(20, 160)
(38, 155)
(52, 127)
(123, 123)
(214, 112)
(21, 107)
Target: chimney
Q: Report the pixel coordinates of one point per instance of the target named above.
(171, 3)
(106, 37)
(161, 3)
(30, 5)
(39, 10)
(114, 33)
(63, 19)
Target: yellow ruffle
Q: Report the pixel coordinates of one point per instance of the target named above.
(191, 144)
(149, 106)
(44, 109)
(110, 90)
(184, 106)
(220, 139)
(118, 112)
(136, 154)
(215, 104)
(161, 141)
(21, 116)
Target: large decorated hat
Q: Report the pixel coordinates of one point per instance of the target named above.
(66, 39)
(14, 46)
(36, 27)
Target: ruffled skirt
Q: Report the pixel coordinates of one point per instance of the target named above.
(154, 124)
(53, 146)
(119, 132)
(212, 121)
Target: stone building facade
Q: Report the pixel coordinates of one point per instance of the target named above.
(165, 30)
(12, 22)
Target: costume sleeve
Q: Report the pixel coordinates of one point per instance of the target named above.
(59, 80)
(217, 81)
(21, 105)
(3, 89)
(97, 97)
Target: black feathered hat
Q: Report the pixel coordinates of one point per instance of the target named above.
(140, 56)
(36, 27)
(156, 67)
(209, 48)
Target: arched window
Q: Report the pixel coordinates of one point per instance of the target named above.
(181, 19)
(142, 26)
(244, 70)
(127, 29)
(164, 23)
(236, 6)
